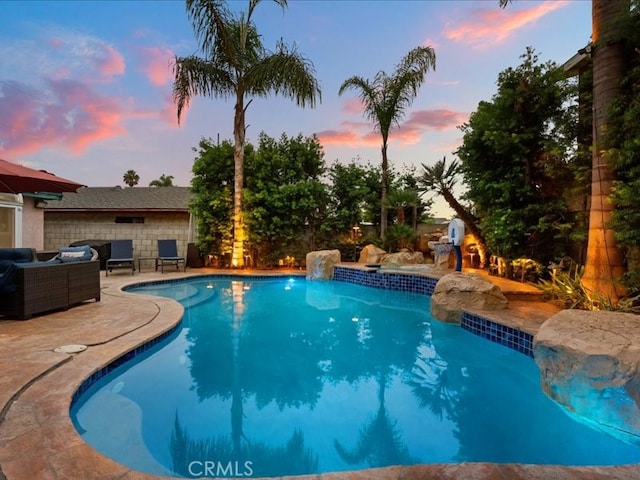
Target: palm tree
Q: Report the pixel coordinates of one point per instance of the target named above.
(386, 99)
(401, 199)
(131, 178)
(604, 265)
(236, 65)
(442, 179)
(163, 181)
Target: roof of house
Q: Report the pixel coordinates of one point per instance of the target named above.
(130, 199)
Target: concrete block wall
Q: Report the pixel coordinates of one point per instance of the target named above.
(61, 229)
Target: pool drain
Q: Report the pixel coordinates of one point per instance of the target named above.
(71, 349)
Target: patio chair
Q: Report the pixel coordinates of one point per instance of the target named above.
(168, 255)
(121, 256)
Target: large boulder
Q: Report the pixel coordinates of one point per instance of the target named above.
(320, 264)
(371, 254)
(404, 257)
(460, 291)
(589, 363)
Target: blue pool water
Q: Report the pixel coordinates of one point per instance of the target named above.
(279, 376)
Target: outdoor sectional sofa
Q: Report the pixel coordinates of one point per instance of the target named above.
(29, 287)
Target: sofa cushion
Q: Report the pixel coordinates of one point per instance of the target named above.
(8, 256)
(74, 254)
(8, 279)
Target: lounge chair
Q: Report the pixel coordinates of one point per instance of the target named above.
(121, 256)
(168, 255)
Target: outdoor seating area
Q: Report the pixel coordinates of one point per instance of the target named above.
(29, 287)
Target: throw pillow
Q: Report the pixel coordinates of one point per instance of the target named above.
(75, 254)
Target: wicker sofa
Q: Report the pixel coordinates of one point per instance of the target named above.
(29, 287)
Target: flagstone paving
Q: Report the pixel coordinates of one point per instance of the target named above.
(38, 440)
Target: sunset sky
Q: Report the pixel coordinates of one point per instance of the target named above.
(85, 86)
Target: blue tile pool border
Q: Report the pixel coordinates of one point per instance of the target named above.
(510, 337)
(513, 338)
(386, 280)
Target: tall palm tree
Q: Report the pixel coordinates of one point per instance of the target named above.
(131, 178)
(386, 99)
(441, 179)
(162, 181)
(604, 265)
(236, 65)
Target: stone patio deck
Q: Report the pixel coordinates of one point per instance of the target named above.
(38, 440)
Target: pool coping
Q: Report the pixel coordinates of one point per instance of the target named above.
(38, 440)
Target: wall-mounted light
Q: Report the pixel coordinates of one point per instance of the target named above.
(40, 203)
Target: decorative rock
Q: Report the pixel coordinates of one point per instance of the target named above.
(371, 254)
(589, 363)
(460, 291)
(404, 257)
(320, 264)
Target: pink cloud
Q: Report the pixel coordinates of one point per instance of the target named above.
(494, 25)
(352, 106)
(73, 118)
(441, 119)
(110, 62)
(338, 137)
(362, 134)
(155, 62)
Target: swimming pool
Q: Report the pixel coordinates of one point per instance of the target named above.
(267, 377)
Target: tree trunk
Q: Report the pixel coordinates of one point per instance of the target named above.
(604, 263)
(383, 196)
(237, 256)
(470, 224)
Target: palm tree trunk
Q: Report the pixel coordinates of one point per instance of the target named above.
(605, 262)
(383, 196)
(237, 256)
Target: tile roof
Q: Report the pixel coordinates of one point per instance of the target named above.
(119, 199)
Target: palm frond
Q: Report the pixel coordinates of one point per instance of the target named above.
(386, 99)
(439, 175)
(285, 72)
(209, 19)
(195, 76)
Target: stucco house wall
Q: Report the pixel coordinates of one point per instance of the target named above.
(32, 224)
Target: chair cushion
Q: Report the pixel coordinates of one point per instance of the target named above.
(74, 254)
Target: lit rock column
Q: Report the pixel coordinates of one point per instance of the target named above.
(320, 264)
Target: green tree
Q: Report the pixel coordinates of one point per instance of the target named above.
(623, 149)
(162, 181)
(212, 201)
(131, 178)
(386, 99)
(516, 161)
(285, 198)
(236, 65)
(604, 267)
(352, 189)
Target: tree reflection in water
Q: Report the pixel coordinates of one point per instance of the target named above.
(287, 360)
(251, 459)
